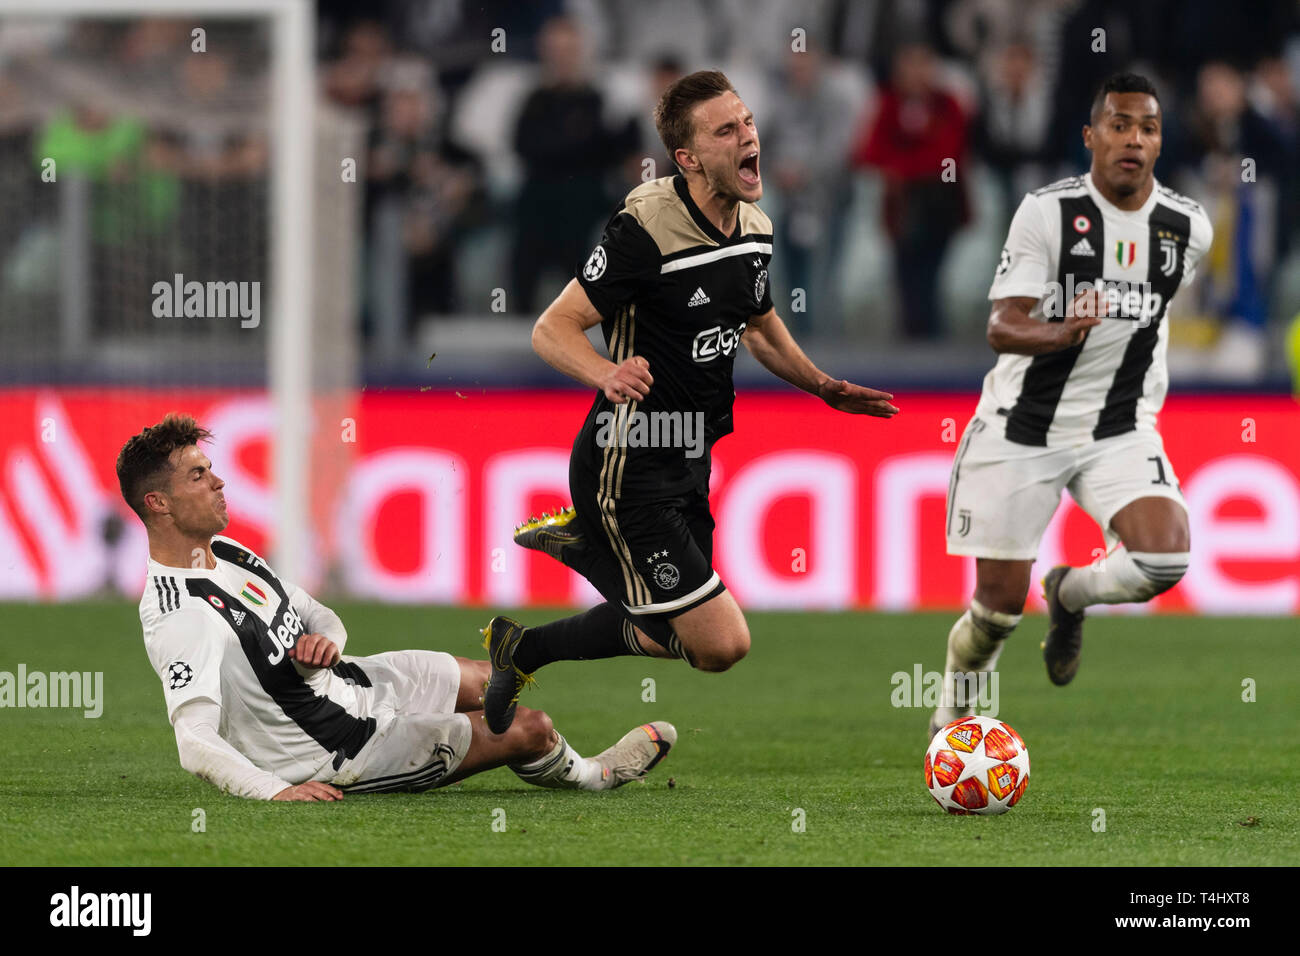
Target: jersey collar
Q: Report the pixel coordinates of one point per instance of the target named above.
(1107, 206)
(701, 220)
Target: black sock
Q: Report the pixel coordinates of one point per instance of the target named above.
(591, 635)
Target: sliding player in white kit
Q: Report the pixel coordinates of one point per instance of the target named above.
(1078, 322)
(263, 702)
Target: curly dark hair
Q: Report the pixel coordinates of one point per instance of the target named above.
(144, 463)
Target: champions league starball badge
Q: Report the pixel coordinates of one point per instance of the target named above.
(595, 265)
(179, 674)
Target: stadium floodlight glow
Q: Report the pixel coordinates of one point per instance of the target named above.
(292, 144)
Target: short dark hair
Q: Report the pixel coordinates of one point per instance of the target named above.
(1121, 83)
(673, 111)
(144, 463)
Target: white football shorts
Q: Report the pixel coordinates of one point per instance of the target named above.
(1002, 495)
(420, 740)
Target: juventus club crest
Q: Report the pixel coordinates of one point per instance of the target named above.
(963, 519)
(1168, 256)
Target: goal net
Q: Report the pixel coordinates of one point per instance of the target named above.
(179, 233)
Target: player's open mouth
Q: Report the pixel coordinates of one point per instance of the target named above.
(749, 169)
(1130, 164)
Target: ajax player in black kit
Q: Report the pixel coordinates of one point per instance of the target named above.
(677, 283)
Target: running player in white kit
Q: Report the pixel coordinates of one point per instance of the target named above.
(1078, 321)
(262, 700)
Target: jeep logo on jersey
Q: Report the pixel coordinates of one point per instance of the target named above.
(1144, 306)
(1121, 299)
(716, 341)
(285, 634)
(595, 265)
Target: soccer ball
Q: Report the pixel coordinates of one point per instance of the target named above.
(977, 765)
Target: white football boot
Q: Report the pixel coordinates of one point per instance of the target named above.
(637, 753)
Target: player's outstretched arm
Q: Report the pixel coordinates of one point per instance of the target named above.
(210, 757)
(769, 341)
(1011, 329)
(560, 338)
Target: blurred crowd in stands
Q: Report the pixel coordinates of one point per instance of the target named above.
(539, 137)
(501, 135)
(162, 143)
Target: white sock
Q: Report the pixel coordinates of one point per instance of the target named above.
(563, 768)
(974, 644)
(1124, 577)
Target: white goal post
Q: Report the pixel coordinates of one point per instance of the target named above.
(292, 144)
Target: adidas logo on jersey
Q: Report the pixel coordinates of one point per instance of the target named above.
(699, 298)
(238, 616)
(1082, 248)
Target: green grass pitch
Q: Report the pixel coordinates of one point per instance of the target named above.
(1153, 732)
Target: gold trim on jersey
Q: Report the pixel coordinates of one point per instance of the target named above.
(660, 212)
(614, 459)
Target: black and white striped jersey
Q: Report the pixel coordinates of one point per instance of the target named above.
(1063, 238)
(224, 634)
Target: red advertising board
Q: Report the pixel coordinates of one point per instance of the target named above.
(418, 493)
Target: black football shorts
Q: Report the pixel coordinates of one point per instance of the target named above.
(653, 558)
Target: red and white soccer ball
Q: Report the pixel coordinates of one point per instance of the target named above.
(977, 765)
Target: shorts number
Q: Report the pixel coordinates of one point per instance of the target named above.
(1160, 478)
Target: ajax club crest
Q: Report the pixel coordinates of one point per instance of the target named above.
(666, 576)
